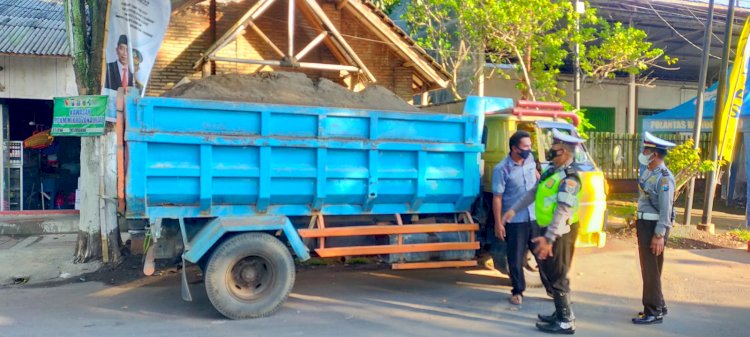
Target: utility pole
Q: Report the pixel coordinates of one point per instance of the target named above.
(580, 9)
(701, 100)
(708, 202)
(632, 102)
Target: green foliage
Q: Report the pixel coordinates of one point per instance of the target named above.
(357, 260)
(318, 261)
(443, 28)
(585, 124)
(536, 36)
(685, 163)
(86, 20)
(621, 49)
(685, 157)
(741, 234)
(531, 34)
(385, 5)
(622, 211)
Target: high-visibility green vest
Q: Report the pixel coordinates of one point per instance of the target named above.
(546, 199)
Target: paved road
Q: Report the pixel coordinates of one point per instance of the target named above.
(708, 293)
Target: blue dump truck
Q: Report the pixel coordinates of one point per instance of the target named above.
(241, 188)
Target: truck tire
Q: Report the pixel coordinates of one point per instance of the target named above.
(249, 275)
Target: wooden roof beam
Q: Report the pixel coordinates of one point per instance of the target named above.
(265, 38)
(335, 49)
(253, 13)
(358, 9)
(337, 36)
(340, 4)
(311, 45)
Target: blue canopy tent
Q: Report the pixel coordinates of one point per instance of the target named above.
(680, 119)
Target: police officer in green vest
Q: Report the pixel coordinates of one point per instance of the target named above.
(556, 204)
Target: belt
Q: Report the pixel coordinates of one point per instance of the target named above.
(648, 216)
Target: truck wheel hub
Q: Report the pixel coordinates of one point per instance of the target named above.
(250, 278)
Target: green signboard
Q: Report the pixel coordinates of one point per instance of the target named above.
(79, 116)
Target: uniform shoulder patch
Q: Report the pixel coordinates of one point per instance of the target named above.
(664, 183)
(569, 186)
(665, 172)
(571, 171)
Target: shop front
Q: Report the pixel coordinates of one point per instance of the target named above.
(39, 172)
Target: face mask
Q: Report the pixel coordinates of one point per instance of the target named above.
(644, 159)
(524, 154)
(552, 153)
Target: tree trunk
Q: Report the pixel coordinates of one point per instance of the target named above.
(109, 215)
(98, 16)
(75, 18)
(527, 93)
(87, 43)
(89, 244)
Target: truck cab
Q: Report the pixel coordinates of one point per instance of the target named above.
(502, 119)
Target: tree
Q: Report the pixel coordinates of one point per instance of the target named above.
(532, 37)
(684, 161)
(386, 5)
(442, 27)
(86, 21)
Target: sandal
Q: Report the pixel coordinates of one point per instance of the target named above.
(516, 299)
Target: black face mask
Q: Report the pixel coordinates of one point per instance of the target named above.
(552, 153)
(524, 154)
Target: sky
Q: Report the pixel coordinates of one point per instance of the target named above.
(743, 3)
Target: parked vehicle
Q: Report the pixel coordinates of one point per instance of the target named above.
(237, 188)
(539, 118)
(502, 119)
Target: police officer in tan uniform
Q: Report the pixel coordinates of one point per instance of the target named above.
(655, 216)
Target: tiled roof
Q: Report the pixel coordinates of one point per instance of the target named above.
(33, 27)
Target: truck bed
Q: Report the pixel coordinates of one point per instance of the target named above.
(199, 158)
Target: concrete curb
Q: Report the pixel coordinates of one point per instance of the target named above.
(36, 224)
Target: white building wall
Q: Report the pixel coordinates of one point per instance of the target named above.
(36, 77)
(610, 94)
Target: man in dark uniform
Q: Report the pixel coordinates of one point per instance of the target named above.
(556, 207)
(655, 216)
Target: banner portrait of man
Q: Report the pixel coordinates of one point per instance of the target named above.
(119, 73)
(136, 30)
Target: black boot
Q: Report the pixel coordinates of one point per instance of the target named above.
(552, 318)
(559, 328)
(664, 312)
(563, 321)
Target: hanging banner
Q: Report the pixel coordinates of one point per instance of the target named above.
(730, 112)
(136, 29)
(79, 116)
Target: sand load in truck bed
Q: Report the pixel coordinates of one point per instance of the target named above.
(288, 88)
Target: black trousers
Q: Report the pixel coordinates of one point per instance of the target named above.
(557, 266)
(518, 236)
(651, 267)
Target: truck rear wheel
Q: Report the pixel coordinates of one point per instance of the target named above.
(249, 275)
